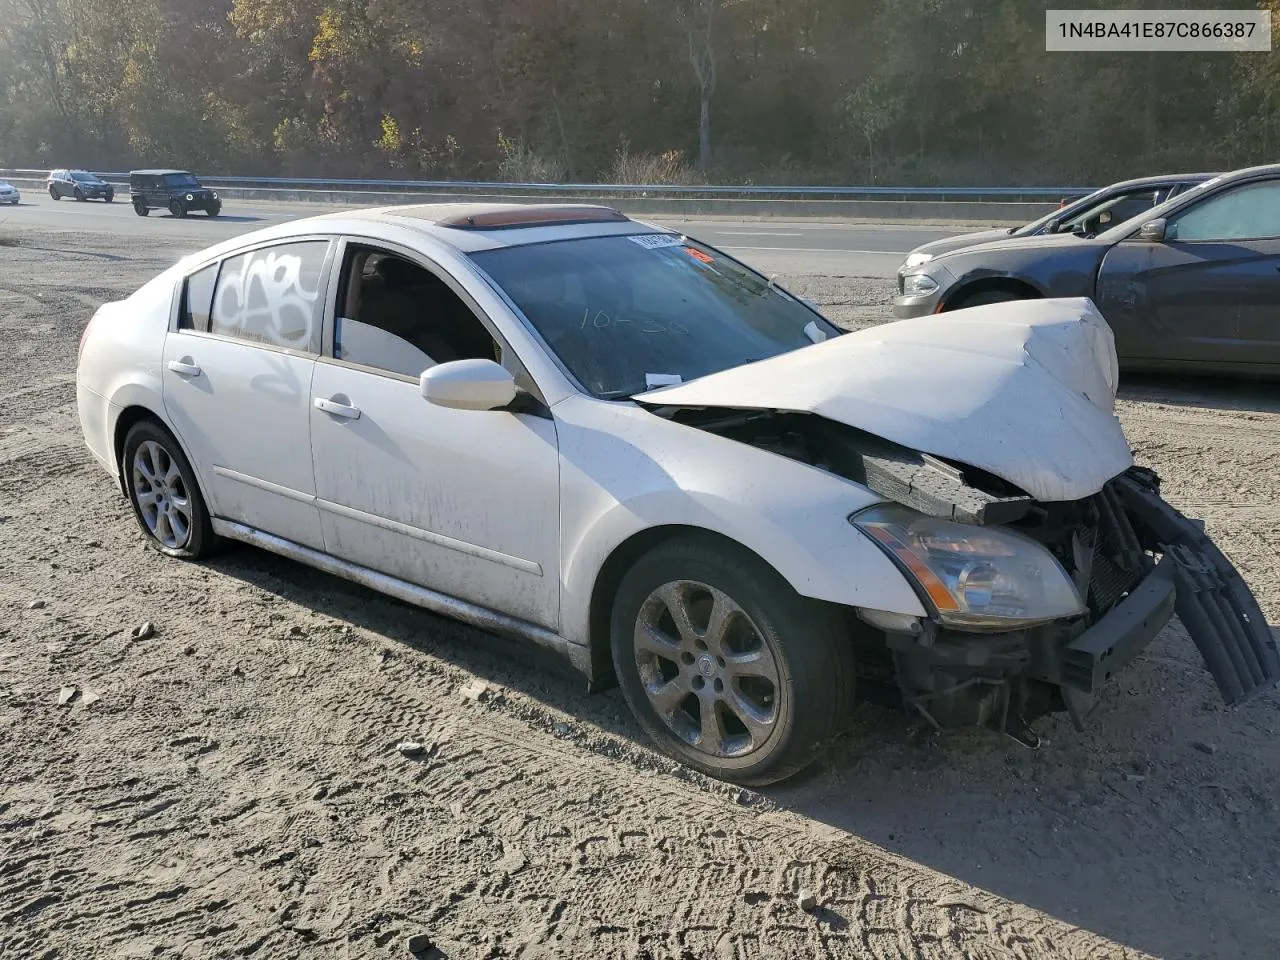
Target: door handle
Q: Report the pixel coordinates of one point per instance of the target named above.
(335, 409)
(184, 369)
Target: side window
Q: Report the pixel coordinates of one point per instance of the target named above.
(197, 299)
(1132, 204)
(397, 316)
(272, 296)
(1249, 212)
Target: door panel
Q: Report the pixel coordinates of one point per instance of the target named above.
(244, 418)
(460, 501)
(1208, 302)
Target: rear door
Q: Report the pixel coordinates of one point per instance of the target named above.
(237, 376)
(1210, 293)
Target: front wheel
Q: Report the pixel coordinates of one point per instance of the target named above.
(214, 210)
(724, 665)
(53, 192)
(163, 491)
(178, 208)
(110, 197)
(79, 194)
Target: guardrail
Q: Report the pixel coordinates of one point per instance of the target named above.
(684, 191)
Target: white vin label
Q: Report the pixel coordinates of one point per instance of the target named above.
(1229, 31)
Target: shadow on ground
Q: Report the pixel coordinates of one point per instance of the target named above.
(1152, 827)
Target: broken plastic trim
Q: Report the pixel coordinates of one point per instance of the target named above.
(1213, 601)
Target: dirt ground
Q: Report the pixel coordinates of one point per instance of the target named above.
(234, 789)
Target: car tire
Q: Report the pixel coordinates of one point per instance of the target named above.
(783, 663)
(53, 192)
(109, 197)
(79, 195)
(988, 296)
(164, 494)
(140, 208)
(178, 208)
(214, 210)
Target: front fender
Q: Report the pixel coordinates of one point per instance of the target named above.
(625, 470)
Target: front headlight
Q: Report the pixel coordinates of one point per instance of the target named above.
(215, 194)
(190, 197)
(918, 285)
(915, 259)
(976, 578)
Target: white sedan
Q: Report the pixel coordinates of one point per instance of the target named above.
(623, 445)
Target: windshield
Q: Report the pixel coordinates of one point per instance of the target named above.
(180, 180)
(83, 177)
(629, 314)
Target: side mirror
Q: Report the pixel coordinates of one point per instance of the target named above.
(468, 385)
(1154, 230)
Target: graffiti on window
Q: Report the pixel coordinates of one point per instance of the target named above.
(270, 296)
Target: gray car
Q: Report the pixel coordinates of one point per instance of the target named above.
(1086, 215)
(1192, 284)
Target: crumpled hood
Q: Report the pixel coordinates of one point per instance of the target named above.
(1024, 390)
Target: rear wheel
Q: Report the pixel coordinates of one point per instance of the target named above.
(163, 491)
(140, 208)
(724, 665)
(177, 208)
(989, 296)
(53, 192)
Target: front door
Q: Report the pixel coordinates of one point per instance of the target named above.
(1210, 293)
(237, 384)
(463, 502)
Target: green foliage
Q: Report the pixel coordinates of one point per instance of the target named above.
(841, 91)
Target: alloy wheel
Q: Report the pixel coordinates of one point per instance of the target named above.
(706, 669)
(161, 494)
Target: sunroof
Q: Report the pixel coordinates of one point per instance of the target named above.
(530, 216)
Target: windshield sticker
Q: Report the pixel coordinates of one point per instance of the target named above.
(699, 255)
(813, 332)
(653, 381)
(656, 241)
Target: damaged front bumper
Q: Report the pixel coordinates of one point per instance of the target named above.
(999, 679)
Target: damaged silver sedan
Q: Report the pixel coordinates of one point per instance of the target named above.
(624, 446)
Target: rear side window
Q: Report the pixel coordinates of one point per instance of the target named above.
(197, 299)
(272, 296)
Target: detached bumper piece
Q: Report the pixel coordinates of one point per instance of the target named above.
(1214, 603)
(1096, 655)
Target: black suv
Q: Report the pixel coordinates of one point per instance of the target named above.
(174, 190)
(79, 184)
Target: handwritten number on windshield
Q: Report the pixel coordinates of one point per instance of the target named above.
(602, 321)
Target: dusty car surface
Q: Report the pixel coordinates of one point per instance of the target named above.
(1192, 285)
(1083, 217)
(623, 445)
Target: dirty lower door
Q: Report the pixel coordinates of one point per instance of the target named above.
(464, 502)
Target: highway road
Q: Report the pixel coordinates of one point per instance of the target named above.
(793, 248)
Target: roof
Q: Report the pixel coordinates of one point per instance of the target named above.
(157, 173)
(1163, 179)
(472, 227)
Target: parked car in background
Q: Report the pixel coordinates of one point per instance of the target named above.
(174, 190)
(1086, 215)
(9, 193)
(1192, 285)
(630, 449)
(80, 185)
